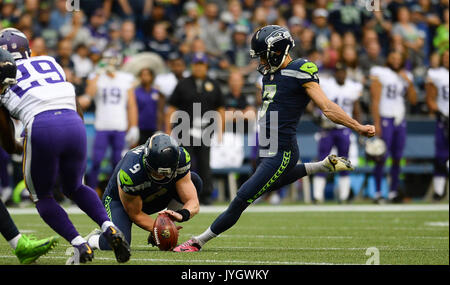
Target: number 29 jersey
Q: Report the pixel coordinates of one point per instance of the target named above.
(41, 86)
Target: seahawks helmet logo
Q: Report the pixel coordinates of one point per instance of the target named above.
(276, 36)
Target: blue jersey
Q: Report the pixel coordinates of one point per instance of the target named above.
(283, 93)
(132, 177)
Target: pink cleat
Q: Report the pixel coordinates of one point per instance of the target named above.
(188, 246)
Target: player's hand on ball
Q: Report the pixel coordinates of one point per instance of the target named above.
(367, 131)
(174, 216)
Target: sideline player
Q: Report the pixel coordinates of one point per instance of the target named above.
(346, 93)
(288, 86)
(26, 248)
(115, 113)
(150, 178)
(437, 101)
(54, 145)
(389, 86)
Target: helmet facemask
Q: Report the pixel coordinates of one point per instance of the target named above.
(6, 84)
(8, 71)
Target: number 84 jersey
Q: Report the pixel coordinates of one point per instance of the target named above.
(41, 86)
(394, 87)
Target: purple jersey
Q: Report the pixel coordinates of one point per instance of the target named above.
(147, 102)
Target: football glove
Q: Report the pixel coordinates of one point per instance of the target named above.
(151, 239)
(132, 136)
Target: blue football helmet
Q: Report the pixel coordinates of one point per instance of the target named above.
(271, 43)
(161, 158)
(15, 42)
(8, 70)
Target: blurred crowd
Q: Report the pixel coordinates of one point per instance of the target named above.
(325, 31)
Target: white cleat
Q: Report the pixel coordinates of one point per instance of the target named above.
(93, 233)
(336, 163)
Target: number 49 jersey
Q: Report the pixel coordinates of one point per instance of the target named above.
(111, 101)
(41, 86)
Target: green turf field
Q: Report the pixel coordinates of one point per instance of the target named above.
(289, 235)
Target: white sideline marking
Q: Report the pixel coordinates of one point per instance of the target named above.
(437, 224)
(324, 237)
(317, 248)
(188, 261)
(286, 209)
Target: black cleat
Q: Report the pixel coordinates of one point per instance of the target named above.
(118, 244)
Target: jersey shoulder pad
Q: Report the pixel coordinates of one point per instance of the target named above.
(131, 171)
(127, 77)
(184, 164)
(376, 71)
(302, 69)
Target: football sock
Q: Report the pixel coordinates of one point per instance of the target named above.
(94, 242)
(5, 194)
(205, 237)
(77, 240)
(439, 185)
(315, 167)
(231, 215)
(106, 225)
(319, 183)
(89, 202)
(378, 173)
(7, 227)
(13, 242)
(55, 216)
(344, 187)
(395, 174)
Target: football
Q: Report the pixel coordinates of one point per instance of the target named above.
(165, 233)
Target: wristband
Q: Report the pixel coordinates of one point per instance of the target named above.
(185, 214)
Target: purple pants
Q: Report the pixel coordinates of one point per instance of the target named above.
(335, 137)
(395, 139)
(55, 146)
(441, 150)
(103, 139)
(4, 160)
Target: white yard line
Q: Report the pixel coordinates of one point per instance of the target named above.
(288, 209)
(189, 261)
(317, 248)
(323, 237)
(437, 224)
